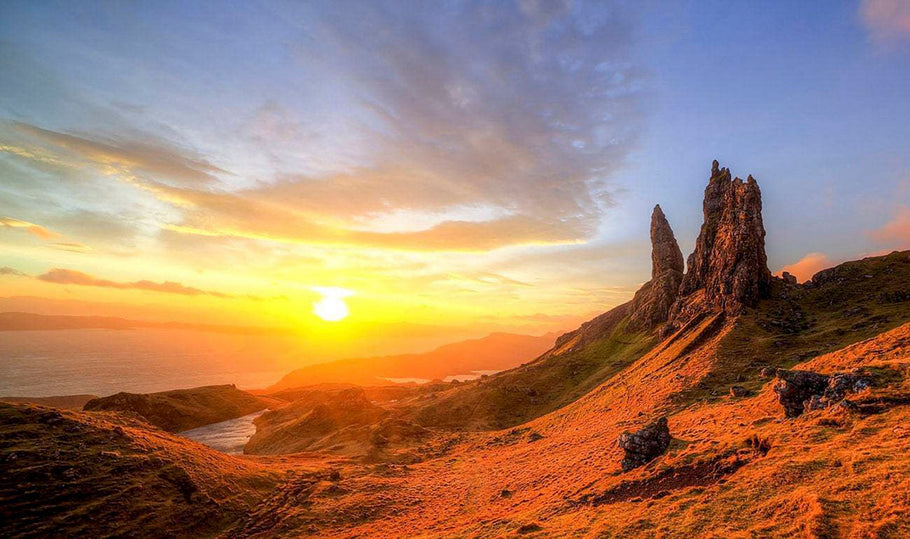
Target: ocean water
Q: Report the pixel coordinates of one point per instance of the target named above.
(103, 362)
(227, 436)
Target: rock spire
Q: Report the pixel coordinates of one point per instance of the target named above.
(652, 302)
(729, 268)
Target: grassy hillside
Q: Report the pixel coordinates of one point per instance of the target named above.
(182, 409)
(74, 474)
(840, 306)
(539, 387)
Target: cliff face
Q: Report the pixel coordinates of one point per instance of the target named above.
(653, 301)
(728, 269)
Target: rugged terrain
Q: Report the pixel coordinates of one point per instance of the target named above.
(722, 351)
(182, 409)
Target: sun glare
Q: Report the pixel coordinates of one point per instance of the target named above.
(331, 307)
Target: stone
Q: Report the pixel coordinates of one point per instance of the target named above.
(788, 278)
(800, 391)
(739, 391)
(651, 304)
(728, 270)
(794, 388)
(645, 444)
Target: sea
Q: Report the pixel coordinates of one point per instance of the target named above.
(103, 362)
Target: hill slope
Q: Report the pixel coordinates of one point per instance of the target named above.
(74, 474)
(182, 409)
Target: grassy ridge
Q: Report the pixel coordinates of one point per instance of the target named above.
(536, 388)
(842, 305)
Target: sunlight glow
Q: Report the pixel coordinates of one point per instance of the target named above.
(331, 307)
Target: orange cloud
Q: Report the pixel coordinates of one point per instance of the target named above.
(240, 221)
(31, 228)
(73, 247)
(66, 276)
(808, 266)
(896, 232)
(887, 18)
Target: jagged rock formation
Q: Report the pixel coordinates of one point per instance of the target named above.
(728, 269)
(645, 444)
(798, 391)
(653, 301)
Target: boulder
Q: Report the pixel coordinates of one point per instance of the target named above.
(788, 278)
(739, 391)
(798, 391)
(645, 444)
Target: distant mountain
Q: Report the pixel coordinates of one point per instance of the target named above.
(495, 352)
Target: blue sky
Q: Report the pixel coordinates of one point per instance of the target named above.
(496, 150)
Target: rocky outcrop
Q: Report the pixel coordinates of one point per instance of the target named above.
(645, 444)
(728, 269)
(798, 391)
(651, 304)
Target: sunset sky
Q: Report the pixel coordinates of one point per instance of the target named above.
(443, 168)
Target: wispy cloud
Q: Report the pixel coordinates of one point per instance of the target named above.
(6, 270)
(887, 19)
(45, 234)
(896, 232)
(126, 158)
(31, 228)
(67, 276)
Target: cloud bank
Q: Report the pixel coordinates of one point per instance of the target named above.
(479, 125)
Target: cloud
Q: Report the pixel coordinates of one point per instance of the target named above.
(6, 270)
(67, 276)
(808, 266)
(886, 19)
(129, 159)
(45, 234)
(31, 228)
(518, 114)
(446, 236)
(896, 232)
(72, 246)
(523, 113)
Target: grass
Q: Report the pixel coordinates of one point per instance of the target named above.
(536, 388)
(859, 300)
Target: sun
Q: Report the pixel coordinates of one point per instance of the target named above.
(331, 309)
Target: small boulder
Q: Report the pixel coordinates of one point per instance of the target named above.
(789, 279)
(739, 392)
(794, 388)
(645, 444)
(798, 391)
